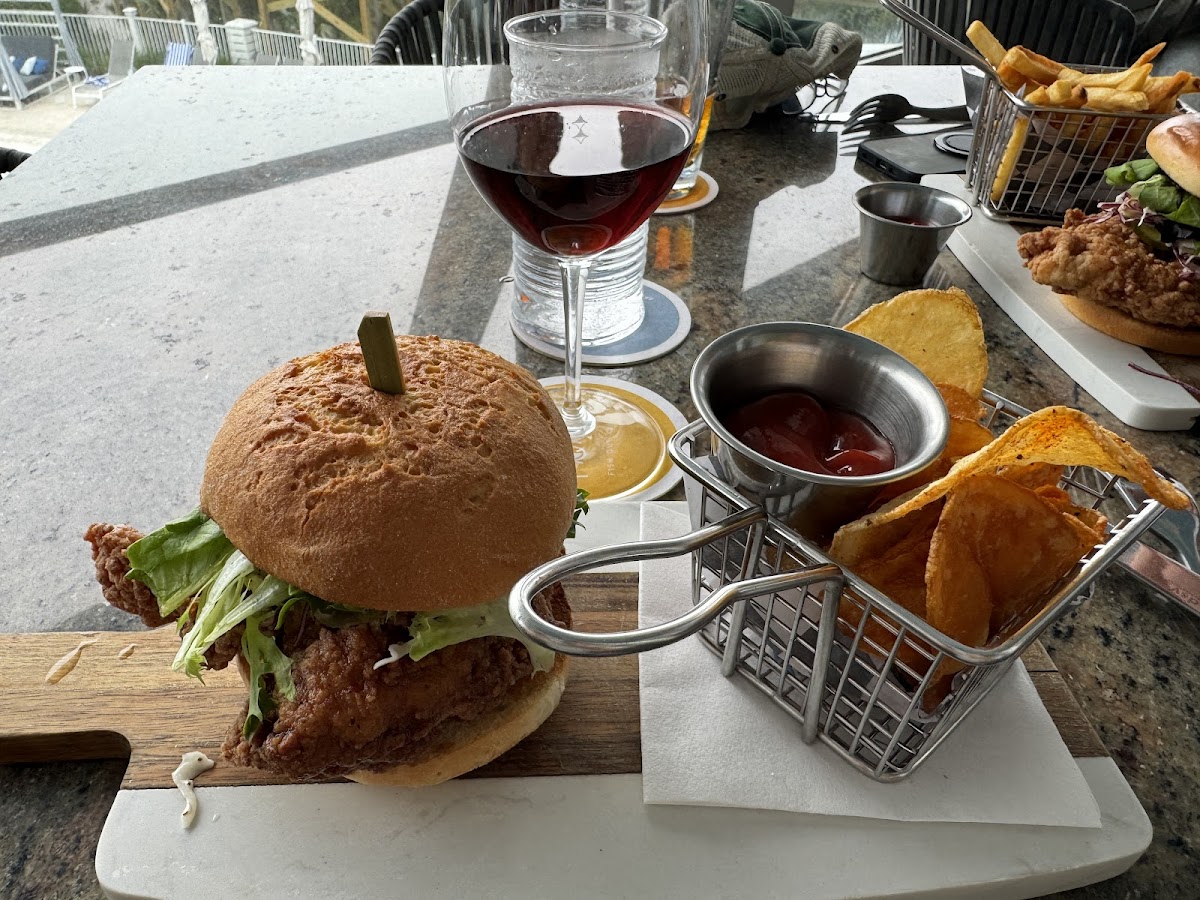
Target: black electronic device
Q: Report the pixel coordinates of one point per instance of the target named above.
(910, 157)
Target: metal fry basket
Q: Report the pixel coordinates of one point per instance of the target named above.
(1033, 163)
(876, 683)
(891, 688)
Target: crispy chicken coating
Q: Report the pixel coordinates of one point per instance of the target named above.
(1107, 263)
(348, 715)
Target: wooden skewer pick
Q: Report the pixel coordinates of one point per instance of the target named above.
(378, 343)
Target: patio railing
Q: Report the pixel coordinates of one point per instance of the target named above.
(93, 35)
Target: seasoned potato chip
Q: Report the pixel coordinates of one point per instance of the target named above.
(1057, 435)
(997, 552)
(939, 332)
(898, 571)
(966, 437)
(960, 404)
(1034, 475)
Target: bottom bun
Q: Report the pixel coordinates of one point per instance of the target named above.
(1124, 327)
(457, 747)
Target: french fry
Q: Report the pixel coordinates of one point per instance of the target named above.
(1032, 68)
(1039, 97)
(1009, 161)
(1104, 79)
(1162, 93)
(1032, 71)
(985, 42)
(1010, 77)
(1114, 100)
(1136, 80)
(1060, 95)
(1069, 75)
(1150, 55)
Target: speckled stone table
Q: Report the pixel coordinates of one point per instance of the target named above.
(202, 225)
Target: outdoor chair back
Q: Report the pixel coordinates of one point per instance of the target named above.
(16, 51)
(413, 37)
(178, 54)
(1078, 32)
(120, 60)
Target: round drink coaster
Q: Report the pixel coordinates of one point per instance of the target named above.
(704, 193)
(664, 326)
(661, 410)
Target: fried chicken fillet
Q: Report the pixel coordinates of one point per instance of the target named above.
(1105, 262)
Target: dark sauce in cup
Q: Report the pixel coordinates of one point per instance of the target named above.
(794, 428)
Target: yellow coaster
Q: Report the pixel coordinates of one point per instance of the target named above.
(620, 460)
(703, 193)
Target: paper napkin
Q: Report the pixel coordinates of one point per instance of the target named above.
(708, 740)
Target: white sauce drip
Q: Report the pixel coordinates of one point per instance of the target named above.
(396, 652)
(67, 663)
(193, 764)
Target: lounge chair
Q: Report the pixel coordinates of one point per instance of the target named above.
(178, 55)
(29, 66)
(120, 67)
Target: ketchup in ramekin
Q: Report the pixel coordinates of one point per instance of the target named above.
(796, 429)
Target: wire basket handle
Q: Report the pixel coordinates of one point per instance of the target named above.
(619, 643)
(922, 24)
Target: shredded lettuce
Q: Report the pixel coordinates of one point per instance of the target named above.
(235, 579)
(581, 508)
(1158, 210)
(191, 558)
(179, 559)
(264, 657)
(432, 631)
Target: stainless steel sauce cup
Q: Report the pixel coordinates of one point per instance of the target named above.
(843, 371)
(903, 227)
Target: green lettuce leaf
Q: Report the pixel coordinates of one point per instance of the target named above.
(1188, 212)
(179, 559)
(581, 508)
(432, 631)
(1157, 193)
(1131, 172)
(237, 577)
(264, 658)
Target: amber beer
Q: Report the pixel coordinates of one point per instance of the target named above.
(691, 169)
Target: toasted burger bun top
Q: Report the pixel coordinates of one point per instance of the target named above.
(1175, 146)
(439, 497)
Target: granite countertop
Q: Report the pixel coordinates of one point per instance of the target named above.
(148, 273)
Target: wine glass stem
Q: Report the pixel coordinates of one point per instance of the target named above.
(579, 421)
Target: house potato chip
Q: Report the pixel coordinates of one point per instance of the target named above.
(939, 332)
(1005, 533)
(960, 404)
(1057, 435)
(998, 551)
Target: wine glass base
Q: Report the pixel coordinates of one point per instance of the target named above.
(664, 327)
(625, 457)
(703, 193)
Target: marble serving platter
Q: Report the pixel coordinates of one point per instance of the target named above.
(583, 835)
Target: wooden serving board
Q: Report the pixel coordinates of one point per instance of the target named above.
(114, 703)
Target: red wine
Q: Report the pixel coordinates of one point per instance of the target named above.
(575, 178)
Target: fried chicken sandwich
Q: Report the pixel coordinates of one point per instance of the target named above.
(1132, 270)
(353, 551)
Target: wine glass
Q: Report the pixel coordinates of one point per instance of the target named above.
(574, 124)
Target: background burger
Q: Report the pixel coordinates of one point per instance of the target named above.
(1132, 270)
(353, 550)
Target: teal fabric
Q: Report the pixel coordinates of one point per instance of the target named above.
(781, 32)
